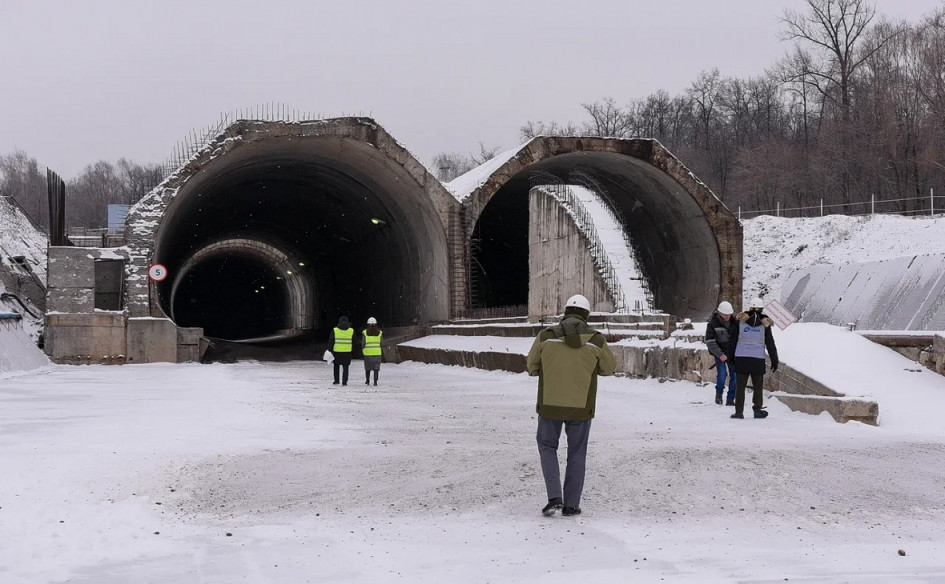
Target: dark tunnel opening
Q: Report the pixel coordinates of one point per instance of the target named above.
(255, 303)
(672, 241)
(499, 253)
(279, 238)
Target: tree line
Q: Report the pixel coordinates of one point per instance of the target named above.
(856, 109)
(87, 196)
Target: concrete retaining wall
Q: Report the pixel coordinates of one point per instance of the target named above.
(559, 263)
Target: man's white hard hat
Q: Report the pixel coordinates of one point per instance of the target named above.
(372, 320)
(756, 303)
(725, 307)
(578, 301)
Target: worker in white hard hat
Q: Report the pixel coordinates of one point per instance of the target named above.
(719, 332)
(567, 358)
(371, 349)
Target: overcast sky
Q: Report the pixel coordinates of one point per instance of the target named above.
(105, 79)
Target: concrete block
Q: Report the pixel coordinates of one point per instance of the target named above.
(189, 335)
(151, 340)
(841, 409)
(938, 344)
(70, 267)
(75, 300)
(86, 338)
(492, 361)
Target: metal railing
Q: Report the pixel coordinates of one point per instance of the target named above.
(610, 207)
(553, 186)
(197, 139)
(935, 203)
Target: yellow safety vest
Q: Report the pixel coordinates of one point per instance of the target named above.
(343, 340)
(372, 345)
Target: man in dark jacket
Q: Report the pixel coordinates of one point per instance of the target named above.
(341, 343)
(718, 336)
(752, 338)
(567, 358)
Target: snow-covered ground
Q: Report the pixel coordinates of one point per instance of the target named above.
(268, 473)
(257, 472)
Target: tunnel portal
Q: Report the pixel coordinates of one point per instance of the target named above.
(284, 228)
(687, 243)
(274, 230)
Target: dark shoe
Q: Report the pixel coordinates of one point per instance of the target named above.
(718, 399)
(368, 382)
(375, 383)
(737, 416)
(334, 383)
(761, 413)
(552, 506)
(730, 403)
(569, 511)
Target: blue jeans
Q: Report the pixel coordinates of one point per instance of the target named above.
(723, 370)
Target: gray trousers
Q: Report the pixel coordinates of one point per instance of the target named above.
(549, 431)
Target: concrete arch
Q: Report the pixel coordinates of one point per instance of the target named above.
(688, 243)
(365, 224)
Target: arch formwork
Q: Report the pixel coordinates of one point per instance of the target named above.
(687, 241)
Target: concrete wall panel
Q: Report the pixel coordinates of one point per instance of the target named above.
(152, 340)
(559, 263)
(86, 338)
(895, 294)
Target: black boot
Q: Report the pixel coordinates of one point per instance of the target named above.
(760, 413)
(552, 506)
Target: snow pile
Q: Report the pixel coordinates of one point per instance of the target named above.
(18, 352)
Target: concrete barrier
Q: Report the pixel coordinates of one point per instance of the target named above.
(841, 409)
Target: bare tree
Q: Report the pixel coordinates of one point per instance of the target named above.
(21, 180)
(829, 51)
(834, 30)
(607, 119)
(449, 165)
(532, 129)
(704, 93)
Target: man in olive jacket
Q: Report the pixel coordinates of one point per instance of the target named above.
(567, 358)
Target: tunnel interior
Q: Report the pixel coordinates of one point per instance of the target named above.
(673, 242)
(278, 238)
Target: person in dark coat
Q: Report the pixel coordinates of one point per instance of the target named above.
(753, 337)
(718, 338)
(340, 342)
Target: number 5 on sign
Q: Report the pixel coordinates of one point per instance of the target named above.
(157, 272)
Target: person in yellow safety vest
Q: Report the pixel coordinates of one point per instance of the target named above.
(341, 343)
(371, 343)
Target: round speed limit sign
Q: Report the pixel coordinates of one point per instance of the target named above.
(157, 272)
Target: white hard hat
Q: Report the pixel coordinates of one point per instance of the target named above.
(578, 301)
(372, 320)
(756, 303)
(725, 307)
